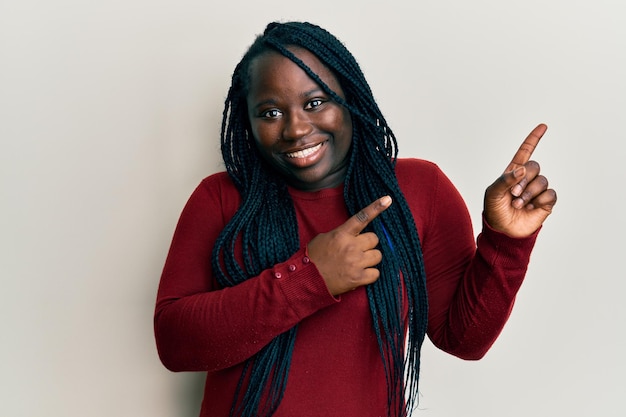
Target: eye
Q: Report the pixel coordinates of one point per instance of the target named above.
(314, 103)
(271, 114)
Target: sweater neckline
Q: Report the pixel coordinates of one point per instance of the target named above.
(315, 195)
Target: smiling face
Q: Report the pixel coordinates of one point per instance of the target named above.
(299, 130)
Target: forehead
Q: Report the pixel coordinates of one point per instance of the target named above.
(273, 68)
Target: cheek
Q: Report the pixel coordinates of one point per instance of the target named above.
(263, 135)
(344, 120)
(338, 121)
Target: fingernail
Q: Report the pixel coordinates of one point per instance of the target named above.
(516, 190)
(519, 172)
(385, 201)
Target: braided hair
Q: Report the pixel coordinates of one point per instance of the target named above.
(269, 233)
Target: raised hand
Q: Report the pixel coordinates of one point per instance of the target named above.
(519, 201)
(345, 257)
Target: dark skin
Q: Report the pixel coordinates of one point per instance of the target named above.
(517, 204)
(298, 129)
(306, 137)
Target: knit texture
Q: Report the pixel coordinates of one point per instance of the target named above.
(336, 368)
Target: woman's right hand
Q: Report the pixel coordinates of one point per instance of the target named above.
(345, 257)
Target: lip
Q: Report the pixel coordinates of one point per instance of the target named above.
(303, 152)
(305, 155)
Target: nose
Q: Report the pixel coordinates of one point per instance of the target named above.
(297, 125)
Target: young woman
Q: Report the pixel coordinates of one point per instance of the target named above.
(304, 279)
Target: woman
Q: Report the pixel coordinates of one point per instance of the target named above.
(304, 279)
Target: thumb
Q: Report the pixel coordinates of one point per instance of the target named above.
(506, 182)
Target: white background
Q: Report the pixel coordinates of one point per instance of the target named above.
(109, 117)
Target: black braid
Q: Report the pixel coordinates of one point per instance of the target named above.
(269, 232)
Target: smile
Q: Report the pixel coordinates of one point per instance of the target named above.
(304, 152)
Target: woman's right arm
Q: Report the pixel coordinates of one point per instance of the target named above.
(202, 327)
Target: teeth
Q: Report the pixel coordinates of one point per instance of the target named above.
(305, 152)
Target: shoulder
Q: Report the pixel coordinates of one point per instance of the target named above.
(217, 194)
(427, 190)
(418, 181)
(417, 173)
(218, 181)
(413, 165)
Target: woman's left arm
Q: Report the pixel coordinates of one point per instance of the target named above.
(472, 286)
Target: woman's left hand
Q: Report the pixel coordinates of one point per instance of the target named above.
(519, 201)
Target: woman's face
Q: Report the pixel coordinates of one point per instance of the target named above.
(298, 128)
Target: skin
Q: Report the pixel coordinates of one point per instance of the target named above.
(519, 201)
(289, 113)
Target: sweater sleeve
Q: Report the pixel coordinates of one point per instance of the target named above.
(471, 284)
(202, 327)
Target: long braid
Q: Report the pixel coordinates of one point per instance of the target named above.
(370, 174)
(255, 222)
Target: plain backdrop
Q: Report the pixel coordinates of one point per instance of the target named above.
(109, 117)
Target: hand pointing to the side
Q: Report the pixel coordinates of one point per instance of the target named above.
(519, 201)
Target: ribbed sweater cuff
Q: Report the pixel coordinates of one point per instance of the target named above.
(302, 285)
(501, 249)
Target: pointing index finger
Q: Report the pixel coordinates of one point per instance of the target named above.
(527, 148)
(355, 224)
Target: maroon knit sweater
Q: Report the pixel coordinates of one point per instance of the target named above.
(336, 369)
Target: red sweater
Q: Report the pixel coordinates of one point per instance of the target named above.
(336, 367)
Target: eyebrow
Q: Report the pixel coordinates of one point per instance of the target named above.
(306, 94)
(313, 92)
(268, 102)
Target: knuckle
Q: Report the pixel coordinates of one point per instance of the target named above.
(553, 196)
(373, 239)
(533, 165)
(375, 274)
(351, 246)
(362, 216)
(353, 281)
(542, 182)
